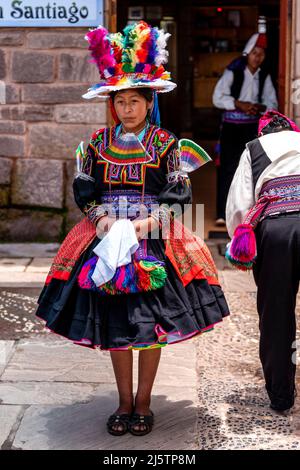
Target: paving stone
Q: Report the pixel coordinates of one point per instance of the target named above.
(17, 316)
(28, 250)
(39, 265)
(44, 393)
(10, 265)
(61, 361)
(6, 351)
(237, 281)
(233, 410)
(82, 426)
(14, 279)
(8, 417)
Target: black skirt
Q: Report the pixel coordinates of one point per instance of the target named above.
(143, 320)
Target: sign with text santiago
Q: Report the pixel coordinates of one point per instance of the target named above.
(49, 13)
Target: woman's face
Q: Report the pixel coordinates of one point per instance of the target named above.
(131, 108)
(256, 57)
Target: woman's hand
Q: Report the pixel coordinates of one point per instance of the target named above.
(104, 225)
(144, 226)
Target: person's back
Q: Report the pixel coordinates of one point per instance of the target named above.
(263, 213)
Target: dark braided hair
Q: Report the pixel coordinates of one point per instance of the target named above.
(277, 124)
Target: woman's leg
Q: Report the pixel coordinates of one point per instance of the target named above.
(148, 364)
(122, 364)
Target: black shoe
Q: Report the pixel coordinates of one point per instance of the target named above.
(281, 408)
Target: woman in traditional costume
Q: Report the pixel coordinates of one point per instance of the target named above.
(130, 275)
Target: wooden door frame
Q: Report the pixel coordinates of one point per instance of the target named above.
(286, 55)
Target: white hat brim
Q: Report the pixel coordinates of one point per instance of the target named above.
(102, 91)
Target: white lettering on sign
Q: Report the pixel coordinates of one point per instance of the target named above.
(32, 13)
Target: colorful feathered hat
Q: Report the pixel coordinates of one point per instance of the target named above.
(129, 60)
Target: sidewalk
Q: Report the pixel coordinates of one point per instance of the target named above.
(209, 391)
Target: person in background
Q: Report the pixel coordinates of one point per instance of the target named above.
(244, 92)
(263, 220)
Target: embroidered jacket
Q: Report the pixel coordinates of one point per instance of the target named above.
(160, 144)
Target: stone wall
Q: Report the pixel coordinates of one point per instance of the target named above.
(42, 121)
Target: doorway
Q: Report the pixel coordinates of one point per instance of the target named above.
(206, 36)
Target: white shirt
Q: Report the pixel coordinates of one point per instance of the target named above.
(249, 92)
(283, 149)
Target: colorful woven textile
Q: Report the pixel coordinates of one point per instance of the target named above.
(188, 253)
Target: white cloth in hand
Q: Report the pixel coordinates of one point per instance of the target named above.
(114, 250)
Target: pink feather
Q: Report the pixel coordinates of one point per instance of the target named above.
(100, 48)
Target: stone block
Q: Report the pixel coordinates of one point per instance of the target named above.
(12, 94)
(38, 183)
(57, 39)
(74, 214)
(57, 141)
(30, 113)
(11, 146)
(77, 68)
(9, 127)
(32, 67)
(11, 38)
(5, 173)
(82, 114)
(52, 94)
(2, 65)
(29, 226)
(4, 196)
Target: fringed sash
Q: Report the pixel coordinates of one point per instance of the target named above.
(277, 196)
